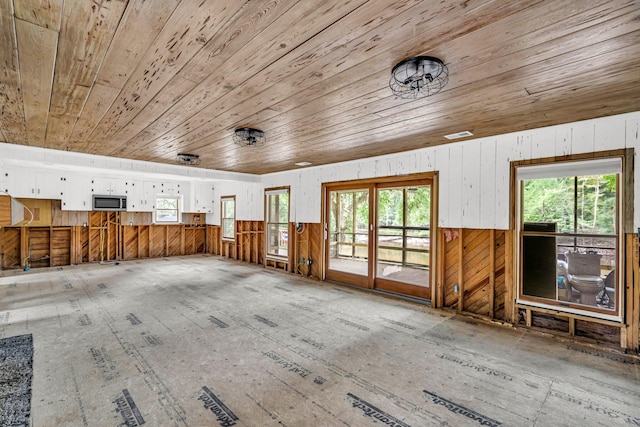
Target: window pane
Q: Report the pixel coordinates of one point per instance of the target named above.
(418, 206)
(549, 200)
(390, 207)
(229, 209)
(283, 205)
(166, 215)
(578, 267)
(278, 207)
(346, 212)
(585, 204)
(278, 224)
(162, 203)
(277, 239)
(596, 211)
(228, 228)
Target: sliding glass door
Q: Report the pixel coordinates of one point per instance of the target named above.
(378, 236)
(403, 236)
(348, 236)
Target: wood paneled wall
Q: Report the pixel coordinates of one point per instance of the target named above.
(473, 278)
(308, 245)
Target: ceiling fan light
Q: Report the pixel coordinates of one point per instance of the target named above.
(249, 137)
(418, 77)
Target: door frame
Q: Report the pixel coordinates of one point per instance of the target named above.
(369, 281)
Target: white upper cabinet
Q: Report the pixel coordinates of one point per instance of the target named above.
(77, 193)
(34, 184)
(107, 186)
(201, 198)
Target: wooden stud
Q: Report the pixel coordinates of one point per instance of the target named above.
(51, 254)
(438, 297)
(509, 300)
(572, 326)
(460, 271)
(629, 334)
(492, 272)
(182, 240)
(529, 317)
(24, 246)
(634, 341)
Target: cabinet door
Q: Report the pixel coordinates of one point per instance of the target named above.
(50, 185)
(204, 197)
(19, 183)
(77, 193)
(134, 191)
(148, 197)
(3, 179)
(101, 186)
(170, 188)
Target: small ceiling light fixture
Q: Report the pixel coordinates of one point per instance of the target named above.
(302, 163)
(188, 159)
(248, 137)
(418, 77)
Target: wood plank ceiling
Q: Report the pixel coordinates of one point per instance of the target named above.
(146, 80)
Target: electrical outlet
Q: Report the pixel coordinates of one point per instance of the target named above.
(309, 261)
(456, 288)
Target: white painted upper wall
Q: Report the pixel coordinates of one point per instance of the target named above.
(474, 175)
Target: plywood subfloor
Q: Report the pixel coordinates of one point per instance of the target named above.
(203, 341)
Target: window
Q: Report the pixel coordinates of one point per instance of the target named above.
(167, 209)
(277, 217)
(228, 211)
(569, 235)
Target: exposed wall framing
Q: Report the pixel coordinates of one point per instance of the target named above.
(248, 246)
(102, 239)
(474, 264)
(308, 246)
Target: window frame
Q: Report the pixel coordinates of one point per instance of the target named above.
(178, 209)
(267, 193)
(223, 201)
(572, 167)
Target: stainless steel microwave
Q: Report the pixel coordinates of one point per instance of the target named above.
(109, 203)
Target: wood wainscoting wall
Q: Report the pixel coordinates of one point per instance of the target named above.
(307, 244)
(473, 273)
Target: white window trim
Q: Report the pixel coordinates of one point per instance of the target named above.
(565, 169)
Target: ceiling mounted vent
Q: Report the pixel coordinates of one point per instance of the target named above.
(188, 159)
(248, 137)
(462, 134)
(418, 77)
